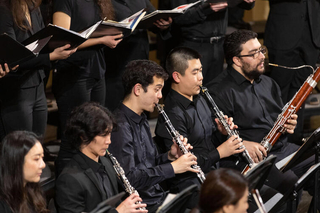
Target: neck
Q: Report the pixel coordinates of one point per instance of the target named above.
(239, 70)
(133, 104)
(90, 154)
(176, 88)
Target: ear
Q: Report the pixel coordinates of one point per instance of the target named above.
(237, 61)
(176, 76)
(137, 89)
(228, 208)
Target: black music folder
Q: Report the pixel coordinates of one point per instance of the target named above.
(60, 37)
(13, 52)
(106, 205)
(109, 27)
(148, 20)
(231, 3)
(306, 150)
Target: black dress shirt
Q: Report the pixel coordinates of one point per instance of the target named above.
(193, 120)
(101, 174)
(254, 107)
(133, 147)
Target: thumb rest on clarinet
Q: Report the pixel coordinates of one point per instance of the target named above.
(176, 137)
(289, 109)
(223, 121)
(121, 174)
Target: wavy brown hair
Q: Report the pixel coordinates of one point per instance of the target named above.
(106, 8)
(18, 10)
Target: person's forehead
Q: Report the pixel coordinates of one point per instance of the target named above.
(252, 44)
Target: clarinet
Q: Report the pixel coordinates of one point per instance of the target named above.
(223, 121)
(176, 137)
(121, 175)
(290, 108)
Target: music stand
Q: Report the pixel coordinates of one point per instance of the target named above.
(179, 202)
(259, 173)
(306, 150)
(106, 205)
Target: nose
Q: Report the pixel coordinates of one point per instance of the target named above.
(200, 76)
(42, 164)
(108, 139)
(159, 94)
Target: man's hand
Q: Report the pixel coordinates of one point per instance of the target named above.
(230, 147)
(291, 124)
(175, 151)
(163, 24)
(6, 70)
(130, 205)
(218, 6)
(256, 151)
(229, 121)
(184, 163)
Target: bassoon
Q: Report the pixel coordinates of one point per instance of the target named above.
(290, 108)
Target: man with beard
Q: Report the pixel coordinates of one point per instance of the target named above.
(252, 99)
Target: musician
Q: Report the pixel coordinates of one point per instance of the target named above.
(21, 165)
(253, 100)
(133, 145)
(203, 28)
(224, 191)
(191, 116)
(89, 178)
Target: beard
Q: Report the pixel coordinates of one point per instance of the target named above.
(252, 73)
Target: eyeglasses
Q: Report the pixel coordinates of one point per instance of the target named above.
(255, 54)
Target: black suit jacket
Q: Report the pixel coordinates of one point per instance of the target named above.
(286, 21)
(77, 187)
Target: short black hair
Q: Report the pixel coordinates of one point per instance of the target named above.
(88, 121)
(233, 43)
(142, 72)
(177, 59)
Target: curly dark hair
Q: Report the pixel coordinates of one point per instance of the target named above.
(142, 72)
(178, 58)
(233, 43)
(221, 187)
(20, 198)
(88, 121)
(106, 8)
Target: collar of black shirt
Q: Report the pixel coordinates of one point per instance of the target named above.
(183, 100)
(238, 77)
(95, 166)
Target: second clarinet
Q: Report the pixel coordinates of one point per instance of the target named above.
(220, 116)
(120, 172)
(176, 136)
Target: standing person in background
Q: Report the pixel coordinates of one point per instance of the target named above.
(80, 78)
(21, 165)
(23, 100)
(292, 36)
(135, 46)
(203, 28)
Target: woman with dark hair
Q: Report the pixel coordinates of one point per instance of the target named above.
(224, 191)
(80, 78)
(21, 165)
(22, 97)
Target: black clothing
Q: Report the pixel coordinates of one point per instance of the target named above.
(292, 36)
(254, 107)
(80, 78)
(78, 188)
(18, 110)
(133, 147)
(193, 120)
(202, 22)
